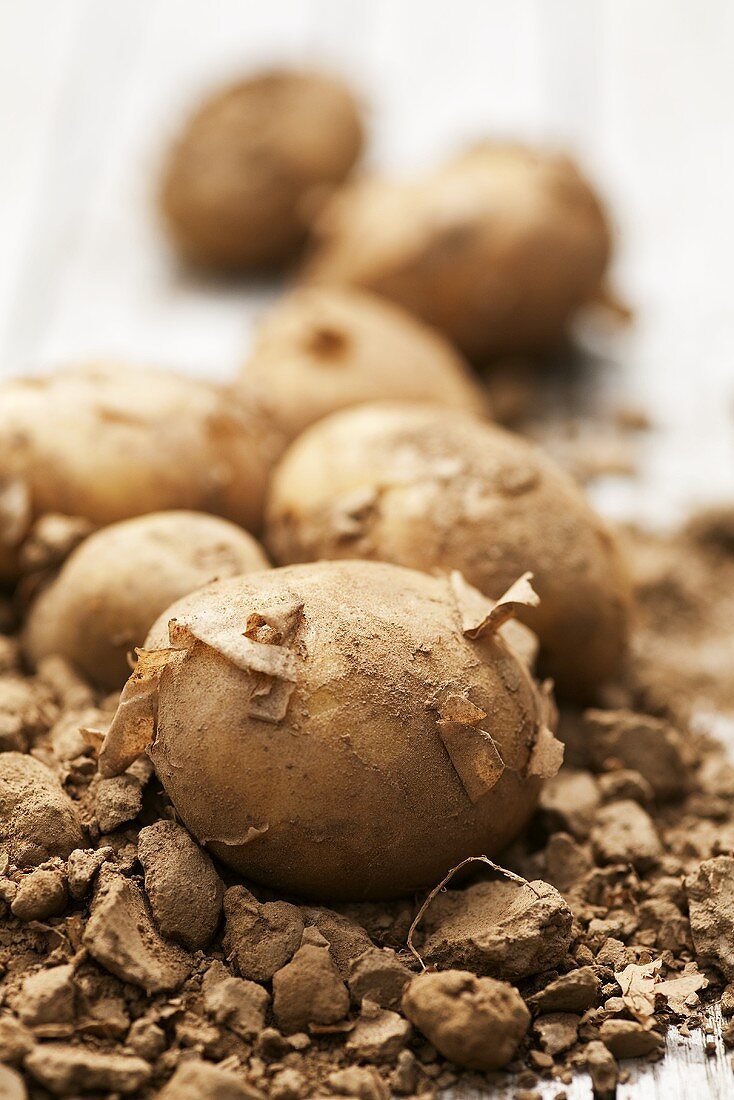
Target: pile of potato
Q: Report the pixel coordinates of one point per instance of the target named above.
(358, 702)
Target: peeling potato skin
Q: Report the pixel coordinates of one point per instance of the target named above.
(497, 248)
(354, 784)
(110, 442)
(438, 490)
(326, 348)
(114, 586)
(238, 180)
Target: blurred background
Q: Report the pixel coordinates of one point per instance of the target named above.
(91, 93)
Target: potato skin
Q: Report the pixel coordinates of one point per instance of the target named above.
(114, 586)
(326, 348)
(439, 490)
(497, 249)
(111, 442)
(352, 794)
(237, 181)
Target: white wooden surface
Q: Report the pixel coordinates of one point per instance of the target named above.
(643, 90)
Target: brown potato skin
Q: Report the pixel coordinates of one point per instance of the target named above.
(113, 587)
(326, 348)
(109, 442)
(237, 182)
(497, 249)
(356, 789)
(439, 490)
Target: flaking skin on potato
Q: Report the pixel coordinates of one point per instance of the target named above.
(341, 729)
(238, 182)
(113, 587)
(107, 442)
(498, 248)
(437, 489)
(325, 348)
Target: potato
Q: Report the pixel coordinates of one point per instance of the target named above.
(238, 182)
(114, 586)
(108, 443)
(322, 349)
(498, 248)
(341, 729)
(438, 490)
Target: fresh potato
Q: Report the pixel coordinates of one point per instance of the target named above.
(238, 183)
(108, 443)
(498, 248)
(114, 586)
(325, 348)
(438, 490)
(342, 729)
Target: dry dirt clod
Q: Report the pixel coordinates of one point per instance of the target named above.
(499, 928)
(25, 709)
(235, 1003)
(629, 1039)
(309, 990)
(184, 890)
(379, 1035)
(603, 1070)
(40, 895)
(259, 938)
(557, 1031)
(572, 992)
(271, 1045)
(288, 1084)
(81, 867)
(710, 892)
(640, 743)
(347, 939)
(16, 1040)
(117, 801)
(616, 786)
(365, 1084)
(38, 820)
(475, 1022)
(569, 802)
(405, 1078)
(67, 1070)
(379, 976)
(67, 738)
(195, 1080)
(146, 1039)
(46, 1001)
(121, 936)
(566, 862)
(625, 833)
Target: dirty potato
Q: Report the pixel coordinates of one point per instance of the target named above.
(440, 490)
(342, 729)
(498, 248)
(114, 586)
